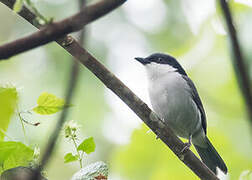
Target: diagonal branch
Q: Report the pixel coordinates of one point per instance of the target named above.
(58, 29)
(141, 109)
(135, 103)
(238, 59)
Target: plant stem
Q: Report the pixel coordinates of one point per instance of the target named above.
(76, 147)
(22, 123)
(5, 134)
(36, 12)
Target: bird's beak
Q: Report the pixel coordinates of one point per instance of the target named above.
(142, 60)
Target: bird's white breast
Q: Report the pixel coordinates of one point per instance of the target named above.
(171, 100)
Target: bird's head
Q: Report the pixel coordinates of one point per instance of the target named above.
(159, 63)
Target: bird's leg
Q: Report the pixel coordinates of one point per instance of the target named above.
(162, 119)
(187, 145)
(157, 133)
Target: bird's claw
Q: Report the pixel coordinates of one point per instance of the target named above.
(187, 145)
(185, 148)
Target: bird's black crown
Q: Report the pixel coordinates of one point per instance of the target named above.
(161, 58)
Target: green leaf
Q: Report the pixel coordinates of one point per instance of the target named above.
(18, 6)
(69, 157)
(13, 154)
(8, 101)
(87, 146)
(49, 104)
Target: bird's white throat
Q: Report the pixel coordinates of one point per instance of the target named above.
(155, 71)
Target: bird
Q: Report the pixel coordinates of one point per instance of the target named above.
(174, 98)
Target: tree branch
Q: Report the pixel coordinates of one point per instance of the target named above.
(56, 30)
(135, 103)
(238, 59)
(141, 109)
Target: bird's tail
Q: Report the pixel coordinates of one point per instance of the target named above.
(211, 157)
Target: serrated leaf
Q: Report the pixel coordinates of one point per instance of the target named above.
(87, 146)
(8, 102)
(69, 157)
(18, 6)
(49, 104)
(13, 154)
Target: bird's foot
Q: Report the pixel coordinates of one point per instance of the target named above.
(185, 148)
(158, 135)
(187, 145)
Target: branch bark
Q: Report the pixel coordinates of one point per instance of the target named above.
(238, 59)
(56, 30)
(135, 103)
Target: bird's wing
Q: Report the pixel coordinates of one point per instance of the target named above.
(197, 101)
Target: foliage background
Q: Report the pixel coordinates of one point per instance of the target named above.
(191, 30)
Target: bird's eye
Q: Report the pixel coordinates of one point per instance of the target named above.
(159, 59)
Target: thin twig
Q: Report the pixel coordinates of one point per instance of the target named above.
(81, 40)
(53, 138)
(23, 127)
(74, 77)
(58, 29)
(136, 104)
(239, 62)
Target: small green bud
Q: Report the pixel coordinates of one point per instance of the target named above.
(70, 129)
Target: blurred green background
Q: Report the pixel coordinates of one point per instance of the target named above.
(192, 31)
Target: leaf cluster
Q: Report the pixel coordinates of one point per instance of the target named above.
(13, 154)
(87, 146)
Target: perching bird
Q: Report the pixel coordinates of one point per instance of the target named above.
(176, 101)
